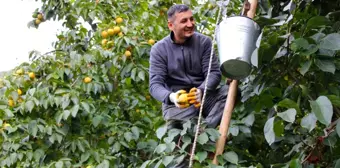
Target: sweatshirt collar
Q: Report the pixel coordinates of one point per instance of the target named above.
(172, 37)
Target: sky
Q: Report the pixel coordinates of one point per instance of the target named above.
(16, 39)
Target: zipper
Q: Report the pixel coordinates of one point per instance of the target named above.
(190, 62)
(185, 69)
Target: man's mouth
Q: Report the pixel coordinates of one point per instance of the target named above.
(188, 30)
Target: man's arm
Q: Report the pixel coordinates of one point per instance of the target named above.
(215, 73)
(157, 76)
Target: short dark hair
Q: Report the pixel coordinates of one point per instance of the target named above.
(177, 8)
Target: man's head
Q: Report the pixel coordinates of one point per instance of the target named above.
(181, 22)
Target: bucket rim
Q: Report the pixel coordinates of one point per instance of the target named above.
(245, 17)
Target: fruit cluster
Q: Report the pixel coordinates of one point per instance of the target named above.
(38, 18)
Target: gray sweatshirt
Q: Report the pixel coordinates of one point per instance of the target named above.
(181, 66)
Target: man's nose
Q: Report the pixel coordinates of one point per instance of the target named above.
(190, 23)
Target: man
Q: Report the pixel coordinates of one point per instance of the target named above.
(180, 62)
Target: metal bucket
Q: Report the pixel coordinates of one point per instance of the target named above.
(236, 40)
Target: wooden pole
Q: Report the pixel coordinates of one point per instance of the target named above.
(249, 9)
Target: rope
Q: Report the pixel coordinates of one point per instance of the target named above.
(205, 89)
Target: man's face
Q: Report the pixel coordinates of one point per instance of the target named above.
(182, 24)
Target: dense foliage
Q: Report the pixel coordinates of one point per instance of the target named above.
(86, 103)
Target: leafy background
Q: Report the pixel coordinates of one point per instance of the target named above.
(288, 115)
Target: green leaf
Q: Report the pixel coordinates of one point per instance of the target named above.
(85, 106)
(74, 110)
(29, 105)
(128, 136)
(337, 164)
(80, 146)
(269, 131)
(84, 156)
(203, 138)
(249, 120)
(8, 113)
(117, 146)
(65, 102)
(141, 75)
(38, 154)
(201, 156)
(278, 128)
(299, 43)
(288, 115)
(214, 134)
(338, 128)
(66, 114)
(133, 73)
(75, 100)
(312, 48)
(160, 148)
(96, 120)
(331, 42)
(325, 65)
(135, 132)
(32, 128)
(145, 164)
(231, 157)
(309, 121)
(167, 159)
(323, 109)
(318, 36)
(234, 129)
(305, 67)
(161, 131)
(288, 103)
(317, 21)
(59, 164)
(334, 99)
(295, 164)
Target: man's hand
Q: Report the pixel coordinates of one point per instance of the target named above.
(195, 97)
(174, 98)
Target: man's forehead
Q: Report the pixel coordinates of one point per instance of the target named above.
(183, 15)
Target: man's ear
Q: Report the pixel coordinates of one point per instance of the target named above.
(170, 25)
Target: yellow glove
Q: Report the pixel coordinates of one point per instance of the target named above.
(179, 98)
(195, 97)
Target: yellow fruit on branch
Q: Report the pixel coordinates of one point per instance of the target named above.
(104, 42)
(120, 34)
(119, 20)
(110, 44)
(164, 9)
(127, 53)
(151, 42)
(110, 32)
(104, 34)
(11, 103)
(87, 80)
(19, 92)
(37, 21)
(40, 16)
(20, 100)
(31, 75)
(5, 125)
(19, 72)
(116, 29)
(89, 166)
